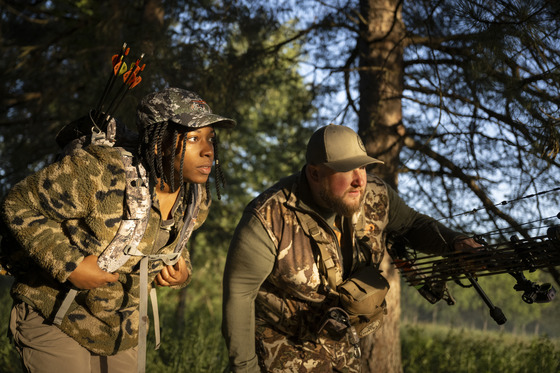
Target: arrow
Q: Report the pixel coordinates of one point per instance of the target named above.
(118, 65)
(131, 78)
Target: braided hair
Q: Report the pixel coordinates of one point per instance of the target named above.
(160, 135)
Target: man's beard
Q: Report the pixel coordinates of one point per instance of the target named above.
(337, 204)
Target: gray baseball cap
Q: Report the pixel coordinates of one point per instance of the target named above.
(339, 148)
(178, 106)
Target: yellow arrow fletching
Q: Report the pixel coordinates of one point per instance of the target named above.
(123, 68)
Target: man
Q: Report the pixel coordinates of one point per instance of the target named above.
(301, 284)
(63, 218)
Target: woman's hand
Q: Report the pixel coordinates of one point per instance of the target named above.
(173, 275)
(88, 275)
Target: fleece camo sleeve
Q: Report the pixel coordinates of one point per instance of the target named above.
(44, 209)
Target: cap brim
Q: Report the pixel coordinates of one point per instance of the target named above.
(350, 164)
(199, 120)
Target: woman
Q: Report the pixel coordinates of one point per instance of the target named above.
(66, 217)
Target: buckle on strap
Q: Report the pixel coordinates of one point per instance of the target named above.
(337, 322)
(168, 259)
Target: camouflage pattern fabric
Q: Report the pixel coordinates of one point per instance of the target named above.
(181, 107)
(71, 209)
(288, 273)
(281, 354)
(131, 230)
(295, 293)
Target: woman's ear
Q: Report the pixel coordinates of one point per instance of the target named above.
(169, 147)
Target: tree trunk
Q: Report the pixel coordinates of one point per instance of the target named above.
(381, 353)
(152, 25)
(380, 126)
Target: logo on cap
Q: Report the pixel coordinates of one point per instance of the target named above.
(339, 148)
(198, 105)
(361, 143)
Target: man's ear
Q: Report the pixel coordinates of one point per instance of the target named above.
(312, 173)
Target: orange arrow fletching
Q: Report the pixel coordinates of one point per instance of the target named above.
(136, 82)
(127, 78)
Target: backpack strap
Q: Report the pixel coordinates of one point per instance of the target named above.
(137, 207)
(326, 263)
(328, 271)
(168, 259)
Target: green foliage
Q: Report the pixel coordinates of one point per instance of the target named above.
(481, 88)
(263, 90)
(437, 349)
(9, 358)
(198, 347)
(470, 311)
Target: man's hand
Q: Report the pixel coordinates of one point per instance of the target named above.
(88, 275)
(467, 244)
(173, 275)
(470, 252)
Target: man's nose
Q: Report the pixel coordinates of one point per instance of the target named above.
(359, 177)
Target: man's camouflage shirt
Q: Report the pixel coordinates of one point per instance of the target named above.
(294, 297)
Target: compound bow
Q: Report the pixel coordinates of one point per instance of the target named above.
(429, 274)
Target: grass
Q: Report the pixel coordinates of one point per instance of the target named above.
(197, 346)
(428, 348)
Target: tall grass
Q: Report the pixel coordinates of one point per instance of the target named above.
(196, 346)
(440, 349)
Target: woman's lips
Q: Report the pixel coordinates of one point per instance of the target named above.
(205, 169)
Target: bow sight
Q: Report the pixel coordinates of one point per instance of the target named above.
(429, 274)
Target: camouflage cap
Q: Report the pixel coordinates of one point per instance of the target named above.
(339, 148)
(178, 106)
